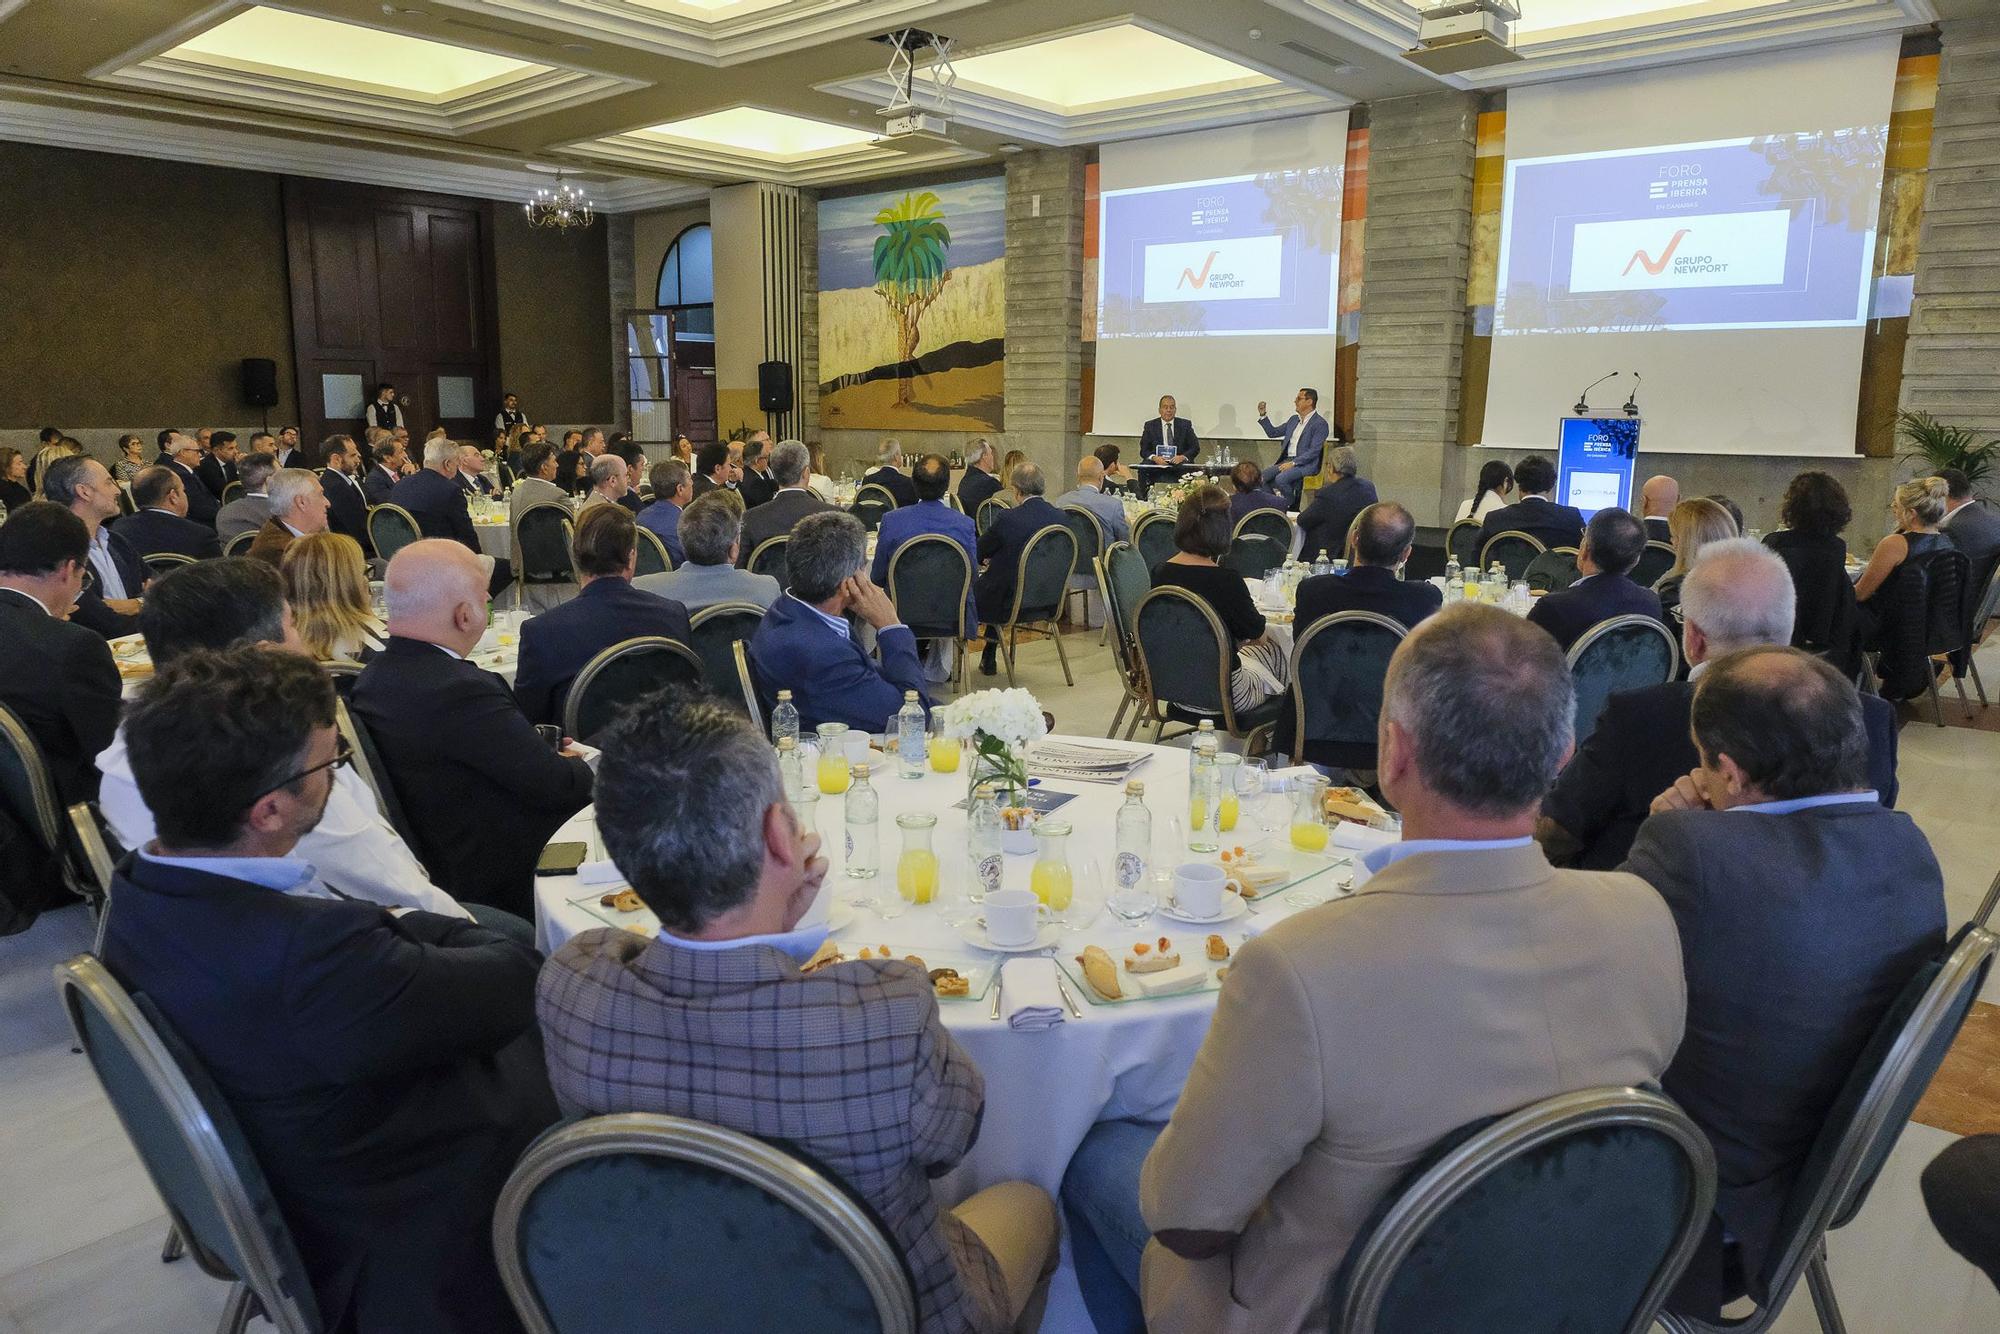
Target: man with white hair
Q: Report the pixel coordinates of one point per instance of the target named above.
(791, 500)
(609, 481)
(433, 498)
(483, 792)
(1738, 595)
(889, 472)
(982, 475)
(472, 478)
(757, 485)
(298, 507)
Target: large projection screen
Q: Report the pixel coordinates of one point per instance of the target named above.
(1219, 273)
(1709, 228)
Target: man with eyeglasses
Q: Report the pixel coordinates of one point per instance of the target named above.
(386, 1070)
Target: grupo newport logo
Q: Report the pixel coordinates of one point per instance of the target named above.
(1655, 266)
(1189, 278)
(1241, 268)
(1657, 254)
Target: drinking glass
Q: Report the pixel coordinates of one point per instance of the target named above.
(833, 773)
(917, 864)
(945, 750)
(1252, 779)
(1087, 900)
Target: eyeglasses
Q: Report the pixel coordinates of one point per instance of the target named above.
(343, 755)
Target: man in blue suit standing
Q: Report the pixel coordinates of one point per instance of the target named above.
(1304, 434)
(930, 514)
(805, 645)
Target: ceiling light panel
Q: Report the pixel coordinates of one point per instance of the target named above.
(1115, 66)
(756, 132)
(348, 54)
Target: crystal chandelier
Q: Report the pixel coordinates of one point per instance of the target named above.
(561, 208)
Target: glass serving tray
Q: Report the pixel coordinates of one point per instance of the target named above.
(1191, 943)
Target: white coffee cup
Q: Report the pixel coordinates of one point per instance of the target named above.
(1011, 916)
(856, 742)
(1198, 889)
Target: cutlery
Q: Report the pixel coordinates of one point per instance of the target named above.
(999, 982)
(1067, 999)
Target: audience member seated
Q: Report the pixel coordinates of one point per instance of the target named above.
(930, 514)
(326, 588)
(757, 485)
(117, 577)
(1466, 978)
(1324, 523)
(1611, 547)
(1916, 508)
(609, 482)
(817, 478)
(217, 468)
(1972, 526)
(713, 470)
(131, 458)
(1735, 510)
(14, 491)
(1249, 494)
(249, 511)
(1814, 512)
(537, 482)
(1962, 1195)
(160, 523)
(1001, 545)
(711, 533)
(1536, 512)
(1658, 498)
(390, 463)
(1089, 494)
(61, 448)
(298, 509)
(889, 473)
(472, 478)
(1803, 906)
(432, 497)
(573, 464)
(1496, 483)
(979, 482)
(607, 610)
(1201, 540)
(1739, 596)
(482, 791)
(57, 678)
(673, 488)
(1117, 477)
(714, 1018)
(789, 500)
(346, 506)
(1691, 526)
(386, 1070)
(806, 645)
(231, 602)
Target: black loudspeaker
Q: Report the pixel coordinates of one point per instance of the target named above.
(260, 382)
(774, 386)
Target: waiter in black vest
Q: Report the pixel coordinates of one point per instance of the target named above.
(385, 412)
(510, 415)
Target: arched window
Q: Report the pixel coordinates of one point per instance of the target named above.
(687, 274)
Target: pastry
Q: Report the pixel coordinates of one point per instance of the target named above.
(952, 986)
(624, 900)
(939, 974)
(1246, 875)
(827, 953)
(1218, 948)
(1100, 972)
(1146, 958)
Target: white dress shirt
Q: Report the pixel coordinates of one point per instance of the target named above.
(110, 583)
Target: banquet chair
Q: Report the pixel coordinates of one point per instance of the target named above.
(871, 501)
(1552, 571)
(989, 509)
(1921, 619)
(231, 491)
(240, 543)
(1091, 539)
(1185, 656)
(343, 673)
(705, 1229)
(746, 683)
(166, 562)
(621, 674)
(1463, 541)
(192, 1148)
(1623, 653)
(1117, 617)
(125, 502)
(1339, 663)
(1861, 1128)
(929, 581)
(367, 761)
(1982, 594)
(1274, 524)
(712, 632)
(391, 528)
(94, 848)
(1153, 537)
(542, 535)
(1513, 549)
(1252, 555)
(769, 558)
(653, 557)
(1041, 587)
(1578, 1212)
(1654, 561)
(28, 799)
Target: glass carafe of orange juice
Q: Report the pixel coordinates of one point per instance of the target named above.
(1050, 880)
(944, 748)
(834, 774)
(917, 865)
(1309, 831)
(1227, 804)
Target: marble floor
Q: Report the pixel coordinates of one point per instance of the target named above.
(80, 1226)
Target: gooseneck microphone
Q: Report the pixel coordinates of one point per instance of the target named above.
(1583, 399)
(1632, 402)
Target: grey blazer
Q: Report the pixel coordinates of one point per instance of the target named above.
(697, 586)
(1975, 530)
(245, 514)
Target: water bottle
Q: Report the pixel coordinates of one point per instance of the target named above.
(1454, 587)
(1204, 802)
(785, 719)
(864, 827)
(982, 843)
(1204, 735)
(913, 736)
(790, 776)
(1135, 837)
(1453, 570)
(1322, 564)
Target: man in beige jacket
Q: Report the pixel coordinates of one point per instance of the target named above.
(1466, 978)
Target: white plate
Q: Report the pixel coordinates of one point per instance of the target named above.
(973, 932)
(838, 918)
(1233, 907)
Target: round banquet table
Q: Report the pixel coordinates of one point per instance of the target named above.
(496, 538)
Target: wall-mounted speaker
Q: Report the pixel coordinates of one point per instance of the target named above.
(260, 382)
(774, 386)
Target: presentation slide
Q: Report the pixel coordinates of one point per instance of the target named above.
(1689, 237)
(1218, 277)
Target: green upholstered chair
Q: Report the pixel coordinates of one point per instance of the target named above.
(1623, 653)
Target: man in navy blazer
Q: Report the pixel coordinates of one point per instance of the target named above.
(889, 474)
(182, 453)
(346, 505)
(117, 577)
(1804, 906)
(161, 523)
(434, 498)
(1739, 595)
(1168, 438)
(1536, 512)
(806, 646)
(1304, 434)
(385, 470)
(607, 610)
(930, 514)
(386, 1070)
(1000, 546)
(1612, 545)
(1323, 524)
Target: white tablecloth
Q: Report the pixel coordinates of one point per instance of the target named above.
(495, 539)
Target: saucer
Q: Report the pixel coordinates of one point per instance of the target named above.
(973, 932)
(1233, 907)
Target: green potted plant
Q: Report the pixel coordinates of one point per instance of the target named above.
(1932, 445)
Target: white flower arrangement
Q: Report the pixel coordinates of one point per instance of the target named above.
(1011, 717)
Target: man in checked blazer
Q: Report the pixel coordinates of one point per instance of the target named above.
(715, 1019)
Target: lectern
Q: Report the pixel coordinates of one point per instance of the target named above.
(1594, 460)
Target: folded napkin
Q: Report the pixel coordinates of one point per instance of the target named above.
(1028, 995)
(599, 873)
(1360, 838)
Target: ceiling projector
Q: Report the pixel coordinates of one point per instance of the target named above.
(1459, 35)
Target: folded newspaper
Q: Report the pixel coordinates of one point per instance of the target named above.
(1083, 764)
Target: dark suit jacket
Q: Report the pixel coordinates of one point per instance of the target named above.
(975, 487)
(1975, 530)
(703, 484)
(215, 474)
(1657, 529)
(377, 483)
(346, 507)
(1552, 524)
(1641, 745)
(663, 519)
(1797, 932)
(149, 531)
(387, 1072)
(1184, 442)
(756, 490)
(557, 644)
(1363, 588)
(1327, 517)
(899, 484)
(482, 791)
(438, 506)
(202, 501)
(1249, 502)
(1567, 614)
(1000, 546)
(483, 486)
(91, 611)
(926, 516)
(60, 681)
(776, 517)
(831, 679)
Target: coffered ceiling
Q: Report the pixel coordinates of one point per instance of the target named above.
(651, 102)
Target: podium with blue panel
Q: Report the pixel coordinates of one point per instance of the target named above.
(1594, 461)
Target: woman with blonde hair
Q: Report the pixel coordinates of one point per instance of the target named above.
(1892, 588)
(1693, 524)
(64, 448)
(14, 491)
(1916, 507)
(326, 584)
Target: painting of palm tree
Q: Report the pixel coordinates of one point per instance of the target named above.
(910, 271)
